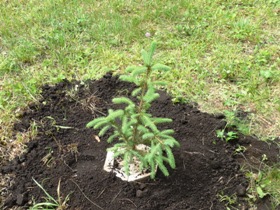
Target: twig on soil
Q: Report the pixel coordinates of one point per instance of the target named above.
(85, 195)
(211, 206)
(101, 193)
(265, 121)
(231, 179)
(126, 199)
(248, 162)
(147, 183)
(100, 112)
(211, 151)
(116, 196)
(194, 153)
(68, 166)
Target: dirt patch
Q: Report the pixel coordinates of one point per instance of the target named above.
(65, 149)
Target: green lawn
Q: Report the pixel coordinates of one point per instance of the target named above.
(225, 55)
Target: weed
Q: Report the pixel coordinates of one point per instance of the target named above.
(58, 127)
(233, 122)
(264, 158)
(48, 159)
(264, 182)
(244, 30)
(229, 200)
(239, 149)
(227, 136)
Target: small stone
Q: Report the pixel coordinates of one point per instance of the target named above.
(142, 186)
(139, 193)
(147, 34)
(6, 169)
(215, 165)
(240, 190)
(21, 199)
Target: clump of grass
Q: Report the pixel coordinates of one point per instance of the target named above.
(50, 202)
(265, 183)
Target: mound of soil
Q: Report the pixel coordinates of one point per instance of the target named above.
(64, 149)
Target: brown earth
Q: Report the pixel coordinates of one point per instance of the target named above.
(206, 166)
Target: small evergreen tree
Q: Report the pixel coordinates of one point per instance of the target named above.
(133, 125)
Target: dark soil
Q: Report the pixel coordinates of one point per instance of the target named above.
(206, 165)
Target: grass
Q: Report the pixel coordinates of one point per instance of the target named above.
(50, 202)
(265, 182)
(224, 54)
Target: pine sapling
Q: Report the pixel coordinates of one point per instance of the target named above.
(133, 125)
